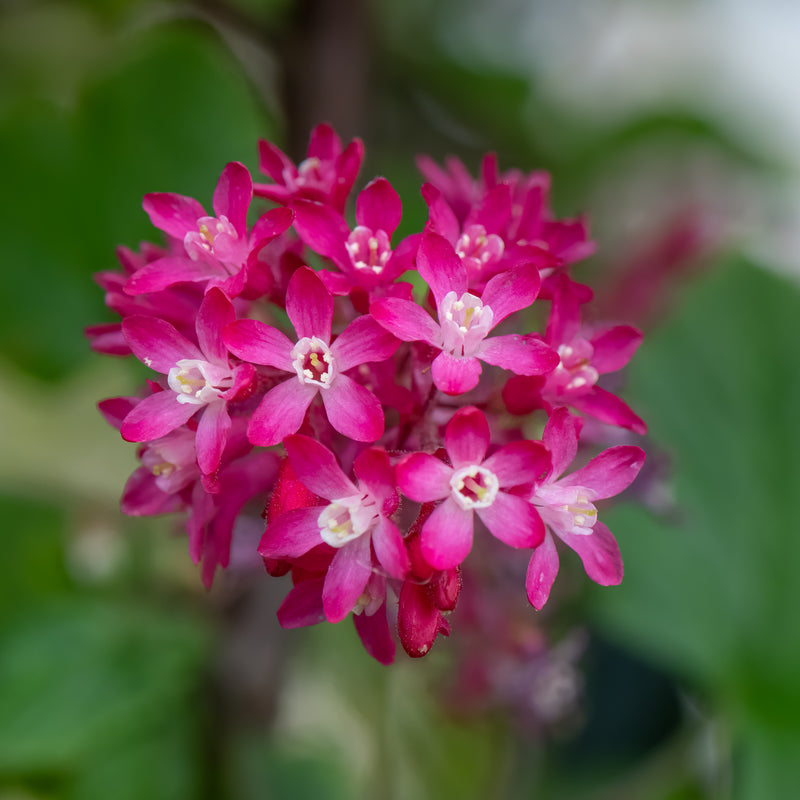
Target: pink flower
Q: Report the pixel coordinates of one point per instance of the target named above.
(317, 366)
(201, 379)
(473, 484)
(356, 522)
(216, 250)
(566, 506)
(326, 175)
(466, 320)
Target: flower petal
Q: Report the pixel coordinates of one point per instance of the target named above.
(309, 305)
(303, 605)
(519, 463)
(353, 410)
(252, 340)
(212, 436)
(614, 347)
(324, 230)
(215, 312)
(446, 537)
(440, 267)
(513, 520)
(455, 375)
(174, 214)
(542, 571)
(347, 576)
(378, 207)
(156, 343)
(524, 355)
(376, 474)
(511, 291)
(389, 548)
(317, 468)
(233, 194)
(467, 437)
(608, 408)
(423, 477)
(560, 437)
(361, 341)
(375, 635)
(599, 553)
(610, 472)
(292, 534)
(165, 272)
(406, 320)
(156, 416)
(280, 412)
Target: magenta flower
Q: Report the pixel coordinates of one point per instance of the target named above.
(364, 255)
(566, 506)
(355, 522)
(472, 485)
(317, 365)
(326, 175)
(466, 320)
(201, 379)
(216, 250)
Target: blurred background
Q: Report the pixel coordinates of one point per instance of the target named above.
(675, 126)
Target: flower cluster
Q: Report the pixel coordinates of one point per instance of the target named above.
(380, 424)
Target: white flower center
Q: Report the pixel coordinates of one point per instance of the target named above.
(344, 520)
(199, 382)
(478, 249)
(201, 242)
(568, 508)
(574, 373)
(369, 250)
(313, 362)
(474, 487)
(465, 322)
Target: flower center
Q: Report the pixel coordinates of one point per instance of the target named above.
(200, 243)
(313, 362)
(199, 382)
(465, 322)
(478, 249)
(474, 487)
(368, 249)
(344, 520)
(567, 508)
(575, 373)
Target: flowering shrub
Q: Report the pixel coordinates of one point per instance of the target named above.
(400, 415)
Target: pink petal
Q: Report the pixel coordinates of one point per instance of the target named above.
(324, 230)
(609, 473)
(258, 343)
(270, 225)
(542, 571)
(212, 435)
(323, 143)
(165, 272)
(280, 412)
(141, 496)
(378, 207)
(599, 553)
(441, 218)
(353, 410)
(347, 166)
(375, 635)
(518, 463)
(375, 472)
(561, 439)
(525, 355)
(309, 305)
(494, 210)
(406, 320)
(233, 194)
(389, 548)
(303, 605)
(317, 468)
(156, 416)
(174, 214)
(608, 408)
(423, 477)
(273, 162)
(440, 267)
(157, 343)
(346, 579)
(513, 520)
(455, 375)
(361, 341)
(292, 534)
(614, 347)
(511, 291)
(446, 537)
(215, 312)
(467, 437)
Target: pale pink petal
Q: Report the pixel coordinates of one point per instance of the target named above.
(156, 416)
(317, 468)
(440, 267)
(455, 375)
(599, 553)
(292, 533)
(346, 579)
(467, 437)
(303, 605)
(609, 408)
(258, 343)
(446, 537)
(518, 463)
(609, 473)
(165, 272)
(614, 347)
(513, 520)
(156, 343)
(174, 214)
(212, 435)
(233, 194)
(375, 635)
(361, 341)
(511, 291)
(378, 207)
(389, 548)
(309, 305)
(561, 438)
(542, 571)
(406, 320)
(280, 412)
(525, 355)
(423, 477)
(215, 312)
(353, 410)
